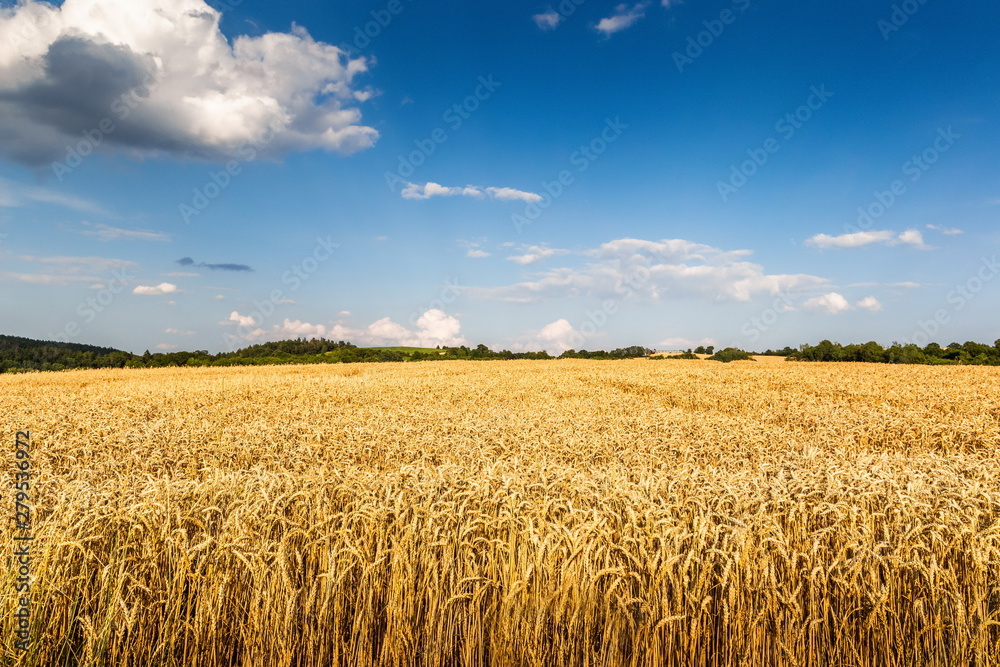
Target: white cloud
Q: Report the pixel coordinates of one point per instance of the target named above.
(434, 328)
(166, 347)
(555, 338)
(947, 231)
(170, 82)
(510, 194)
(180, 333)
(473, 252)
(910, 237)
(625, 16)
(679, 343)
(181, 274)
(855, 240)
(430, 189)
(109, 233)
(534, 253)
(547, 20)
(870, 303)
(155, 290)
(240, 320)
(656, 270)
(833, 303)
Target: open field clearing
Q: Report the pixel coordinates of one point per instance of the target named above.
(538, 513)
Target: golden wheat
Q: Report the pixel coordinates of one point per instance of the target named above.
(511, 513)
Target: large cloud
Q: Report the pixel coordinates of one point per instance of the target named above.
(169, 82)
(672, 268)
(434, 327)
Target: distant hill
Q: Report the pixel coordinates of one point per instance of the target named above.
(27, 354)
(16, 342)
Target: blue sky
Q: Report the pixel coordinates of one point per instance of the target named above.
(586, 174)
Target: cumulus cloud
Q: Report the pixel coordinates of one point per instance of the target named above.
(548, 20)
(870, 304)
(625, 16)
(476, 253)
(910, 237)
(433, 328)
(430, 189)
(656, 270)
(832, 303)
(169, 82)
(155, 290)
(555, 338)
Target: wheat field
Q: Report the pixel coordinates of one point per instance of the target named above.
(538, 513)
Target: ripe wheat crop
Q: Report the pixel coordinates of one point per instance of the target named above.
(511, 513)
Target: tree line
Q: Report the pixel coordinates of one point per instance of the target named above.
(25, 354)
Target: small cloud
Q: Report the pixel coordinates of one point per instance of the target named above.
(187, 261)
(178, 332)
(870, 304)
(625, 16)
(947, 231)
(109, 233)
(473, 252)
(547, 20)
(219, 297)
(910, 237)
(833, 303)
(344, 313)
(430, 189)
(855, 240)
(536, 253)
(240, 320)
(510, 194)
(381, 238)
(181, 274)
(155, 290)
(166, 347)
